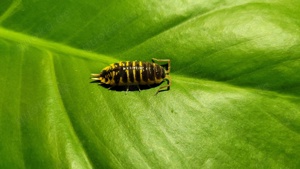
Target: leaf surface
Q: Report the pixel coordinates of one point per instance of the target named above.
(233, 103)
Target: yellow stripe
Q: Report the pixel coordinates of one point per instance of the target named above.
(127, 72)
(112, 65)
(154, 67)
(141, 70)
(134, 71)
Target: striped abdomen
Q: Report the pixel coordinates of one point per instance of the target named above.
(132, 73)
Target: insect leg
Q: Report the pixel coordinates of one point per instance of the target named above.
(127, 88)
(166, 86)
(168, 77)
(139, 88)
(164, 60)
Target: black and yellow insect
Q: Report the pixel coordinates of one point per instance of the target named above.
(135, 73)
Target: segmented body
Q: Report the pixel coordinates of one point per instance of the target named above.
(135, 73)
(132, 73)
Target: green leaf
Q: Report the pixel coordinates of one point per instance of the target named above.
(233, 103)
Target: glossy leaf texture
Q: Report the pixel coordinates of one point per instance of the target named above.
(233, 103)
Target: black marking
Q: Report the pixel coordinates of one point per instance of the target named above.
(131, 78)
(124, 77)
(103, 73)
(145, 72)
(163, 74)
(137, 72)
(151, 72)
(158, 72)
(116, 68)
(117, 78)
(123, 73)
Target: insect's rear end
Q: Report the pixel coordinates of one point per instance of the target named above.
(134, 73)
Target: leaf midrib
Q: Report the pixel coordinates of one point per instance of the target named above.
(53, 46)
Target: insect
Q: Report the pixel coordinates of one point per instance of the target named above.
(136, 73)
